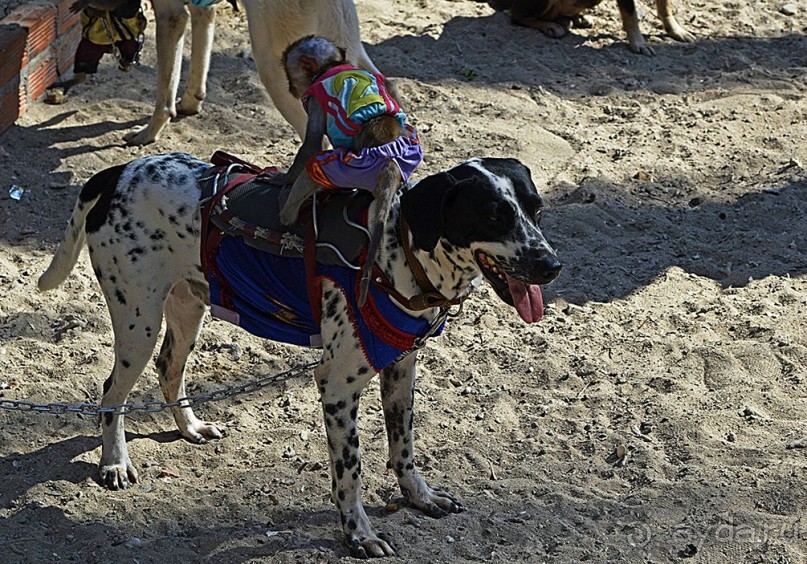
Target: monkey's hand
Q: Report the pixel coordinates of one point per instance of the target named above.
(78, 6)
(275, 178)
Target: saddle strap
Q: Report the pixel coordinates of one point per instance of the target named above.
(212, 236)
(430, 296)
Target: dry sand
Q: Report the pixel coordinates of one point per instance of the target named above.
(677, 200)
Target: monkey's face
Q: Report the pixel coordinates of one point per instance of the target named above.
(298, 79)
(301, 71)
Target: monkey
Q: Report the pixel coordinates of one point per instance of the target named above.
(373, 147)
(107, 26)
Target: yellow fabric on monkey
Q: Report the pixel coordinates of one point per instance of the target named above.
(116, 29)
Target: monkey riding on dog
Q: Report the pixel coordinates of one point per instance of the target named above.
(373, 147)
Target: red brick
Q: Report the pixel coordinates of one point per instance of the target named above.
(40, 75)
(12, 51)
(40, 20)
(23, 99)
(66, 49)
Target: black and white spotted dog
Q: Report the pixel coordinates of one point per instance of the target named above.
(141, 223)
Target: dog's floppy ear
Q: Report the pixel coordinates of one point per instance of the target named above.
(422, 207)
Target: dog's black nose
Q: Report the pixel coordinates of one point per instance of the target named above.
(549, 267)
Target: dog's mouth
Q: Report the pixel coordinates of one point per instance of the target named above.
(526, 298)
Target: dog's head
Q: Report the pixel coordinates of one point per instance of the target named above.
(485, 214)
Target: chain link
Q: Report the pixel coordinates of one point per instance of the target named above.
(155, 406)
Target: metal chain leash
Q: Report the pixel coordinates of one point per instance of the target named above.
(155, 406)
(216, 395)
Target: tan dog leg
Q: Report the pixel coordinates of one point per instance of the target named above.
(203, 22)
(171, 18)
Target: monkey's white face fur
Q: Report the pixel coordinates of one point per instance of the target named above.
(305, 57)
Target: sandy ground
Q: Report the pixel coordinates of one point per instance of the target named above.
(677, 330)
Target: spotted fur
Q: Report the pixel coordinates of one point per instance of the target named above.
(141, 225)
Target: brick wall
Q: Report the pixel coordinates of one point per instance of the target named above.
(37, 43)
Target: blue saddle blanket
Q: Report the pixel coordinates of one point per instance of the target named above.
(267, 295)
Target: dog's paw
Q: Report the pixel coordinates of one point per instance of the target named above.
(641, 48)
(554, 30)
(583, 21)
(200, 432)
(140, 136)
(190, 104)
(435, 503)
(678, 33)
(118, 476)
(370, 545)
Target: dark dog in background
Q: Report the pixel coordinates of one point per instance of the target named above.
(555, 17)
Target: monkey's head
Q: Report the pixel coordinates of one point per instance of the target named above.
(307, 58)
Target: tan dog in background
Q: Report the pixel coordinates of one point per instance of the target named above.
(273, 25)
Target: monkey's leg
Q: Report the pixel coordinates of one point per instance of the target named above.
(302, 189)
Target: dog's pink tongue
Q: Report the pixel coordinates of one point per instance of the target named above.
(528, 300)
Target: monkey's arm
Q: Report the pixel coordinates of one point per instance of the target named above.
(312, 144)
(302, 186)
(103, 5)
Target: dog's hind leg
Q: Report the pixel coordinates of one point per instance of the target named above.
(171, 18)
(397, 397)
(203, 23)
(184, 310)
(135, 329)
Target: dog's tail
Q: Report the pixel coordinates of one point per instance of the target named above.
(74, 236)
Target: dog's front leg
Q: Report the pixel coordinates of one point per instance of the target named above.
(671, 25)
(397, 396)
(340, 404)
(203, 22)
(630, 23)
(171, 18)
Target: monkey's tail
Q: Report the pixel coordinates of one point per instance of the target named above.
(388, 184)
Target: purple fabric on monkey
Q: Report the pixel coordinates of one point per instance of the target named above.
(343, 168)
